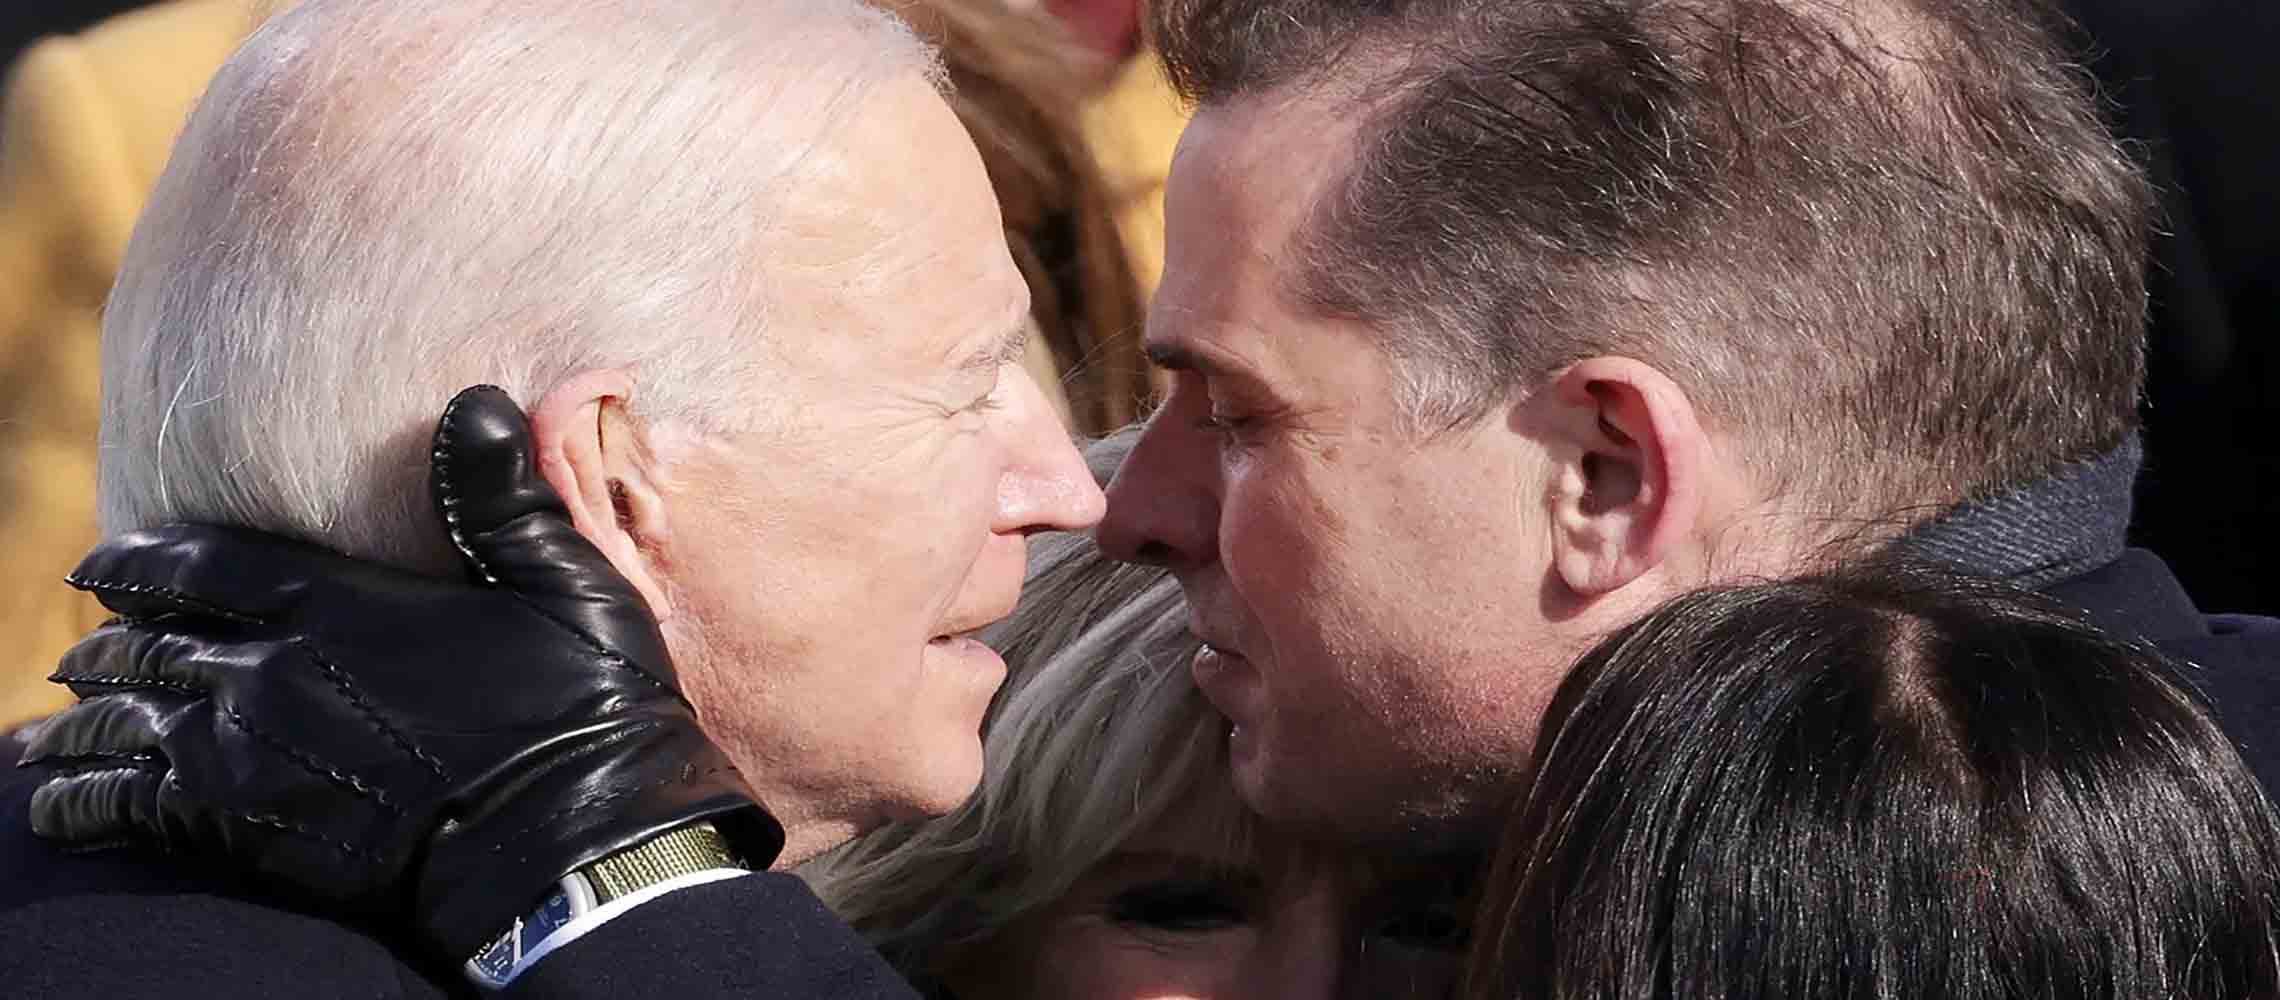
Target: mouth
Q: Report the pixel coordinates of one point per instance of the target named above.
(956, 640)
(1213, 664)
(1221, 650)
(963, 648)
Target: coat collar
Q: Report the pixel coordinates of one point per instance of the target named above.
(2056, 528)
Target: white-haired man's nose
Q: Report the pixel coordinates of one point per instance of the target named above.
(1046, 485)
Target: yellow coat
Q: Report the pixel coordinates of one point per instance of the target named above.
(85, 130)
(86, 126)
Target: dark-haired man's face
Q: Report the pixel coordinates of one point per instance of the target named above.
(1373, 599)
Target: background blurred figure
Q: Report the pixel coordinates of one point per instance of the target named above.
(86, 129)
(89, 120)
(21, 24)
(1880, 783)
(1021, 88)
(1106, 855)
(2194, 84)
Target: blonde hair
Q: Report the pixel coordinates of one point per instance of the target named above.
(1098, 736)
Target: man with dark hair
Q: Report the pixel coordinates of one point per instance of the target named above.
(1494, 324)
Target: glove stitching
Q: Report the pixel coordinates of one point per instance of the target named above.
(118, 680)
(439, 458)
(287, 826)
(347, 688)
(174, 781)
(66, 760)
(601, 649)
(309, 763)
(195, 604)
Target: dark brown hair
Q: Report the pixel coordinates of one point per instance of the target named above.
(1018, 84)
(1888, 244)
(1884, 782)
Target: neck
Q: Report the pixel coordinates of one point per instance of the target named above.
(803, 841)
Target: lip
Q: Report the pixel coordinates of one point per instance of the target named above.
(966, 649)
(1221, 674)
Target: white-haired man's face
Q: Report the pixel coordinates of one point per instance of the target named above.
(827, 571)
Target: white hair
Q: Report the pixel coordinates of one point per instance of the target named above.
(378, 203)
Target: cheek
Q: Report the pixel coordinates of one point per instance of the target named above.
(1279, 542)
(918, 533)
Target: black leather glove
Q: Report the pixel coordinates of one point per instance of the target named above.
(431, 751)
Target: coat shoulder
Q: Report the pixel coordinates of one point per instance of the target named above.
(129, 924)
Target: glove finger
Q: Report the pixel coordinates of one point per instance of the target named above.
(207, 571)
(127, 654)
(101, 806)
(514, 531)
(123, 727)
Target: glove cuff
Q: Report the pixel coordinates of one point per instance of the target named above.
(491, 867)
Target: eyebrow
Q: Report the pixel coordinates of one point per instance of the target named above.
(1184, 865)
(1007, 349)
(1173, 357)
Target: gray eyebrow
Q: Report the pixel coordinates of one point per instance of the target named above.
(1009, 348)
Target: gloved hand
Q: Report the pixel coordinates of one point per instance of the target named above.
(431, 751)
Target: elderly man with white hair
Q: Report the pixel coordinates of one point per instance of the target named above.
(743, 267)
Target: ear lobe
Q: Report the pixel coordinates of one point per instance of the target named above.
(594, 454)
(1628, 491)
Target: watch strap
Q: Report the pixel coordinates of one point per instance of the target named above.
(693, 848)
(678, 853)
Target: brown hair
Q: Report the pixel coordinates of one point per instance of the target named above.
(1893, 231)
(1018, 84)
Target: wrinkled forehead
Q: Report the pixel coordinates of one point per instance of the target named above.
(893, 229)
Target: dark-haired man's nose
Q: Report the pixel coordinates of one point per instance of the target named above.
(1163, 505)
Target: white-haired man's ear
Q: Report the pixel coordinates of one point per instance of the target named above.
(1632, 465)
(594, 454)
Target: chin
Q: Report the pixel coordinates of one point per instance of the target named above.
(949, 771)
(1266, 793)
(1325, 800)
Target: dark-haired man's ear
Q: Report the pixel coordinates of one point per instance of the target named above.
(1630, 469)
(595, 455)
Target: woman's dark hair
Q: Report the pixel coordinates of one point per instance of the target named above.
(1881, 782)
